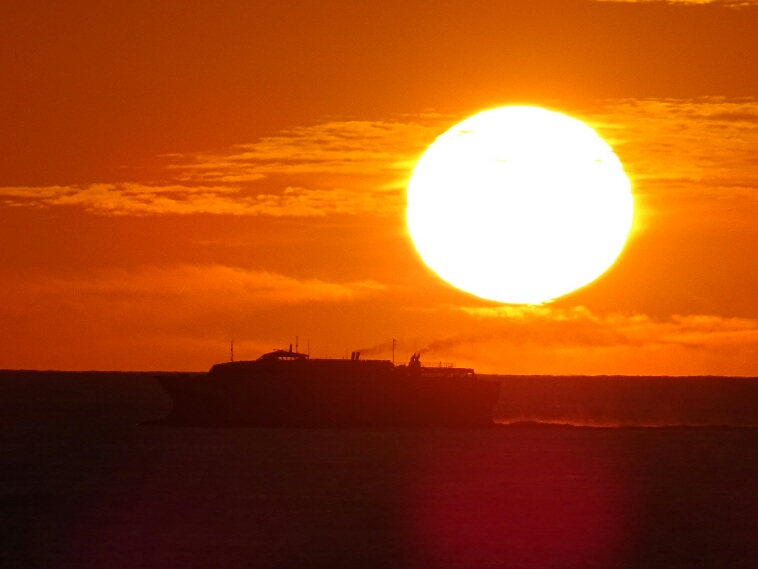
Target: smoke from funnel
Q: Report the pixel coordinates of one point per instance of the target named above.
(378, 349)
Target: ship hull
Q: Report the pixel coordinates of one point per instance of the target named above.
(341, 394)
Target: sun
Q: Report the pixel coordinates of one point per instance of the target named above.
(519, 205)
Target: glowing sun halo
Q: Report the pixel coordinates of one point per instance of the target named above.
(519, 205)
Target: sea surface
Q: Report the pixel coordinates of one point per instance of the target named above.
(583, 473)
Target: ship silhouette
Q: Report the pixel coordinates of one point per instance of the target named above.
(283, 388)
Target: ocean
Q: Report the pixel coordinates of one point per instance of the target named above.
(583, 473)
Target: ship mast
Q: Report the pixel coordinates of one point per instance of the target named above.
(231, 355)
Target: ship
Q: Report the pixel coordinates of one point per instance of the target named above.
(285, 388)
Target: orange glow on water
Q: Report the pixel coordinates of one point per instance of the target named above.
(567, 510)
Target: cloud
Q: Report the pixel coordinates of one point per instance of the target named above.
(384, 149)
(128, 198)
(700, 148)
(303, 202)
(570, 340)
(578, 326)
(338, 167)
(726, 3)
(692, 160)
(576, 340)
(550, 339)
(164, 317)
(212, 284)
(153, 294)
(142, 199)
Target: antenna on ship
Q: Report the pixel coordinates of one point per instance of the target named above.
(296, 338)
(393, 351)
(231, 358)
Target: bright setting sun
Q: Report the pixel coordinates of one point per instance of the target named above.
(519, 205)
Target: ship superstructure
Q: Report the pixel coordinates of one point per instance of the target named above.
(285, 388)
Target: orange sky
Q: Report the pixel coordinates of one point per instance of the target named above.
(177, 174)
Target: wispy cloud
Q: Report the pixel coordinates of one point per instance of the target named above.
(204, 286)
(128, 198)
(727, 3)
(171, 297)
(578, 326)
(338, 167)
(686, 147)
(171, 316)
(145, 199)
(372, 149)
(700, 147)
(142, 199)
(553, 340)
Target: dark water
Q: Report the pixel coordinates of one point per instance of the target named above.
(629, 400)
(81, 485)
